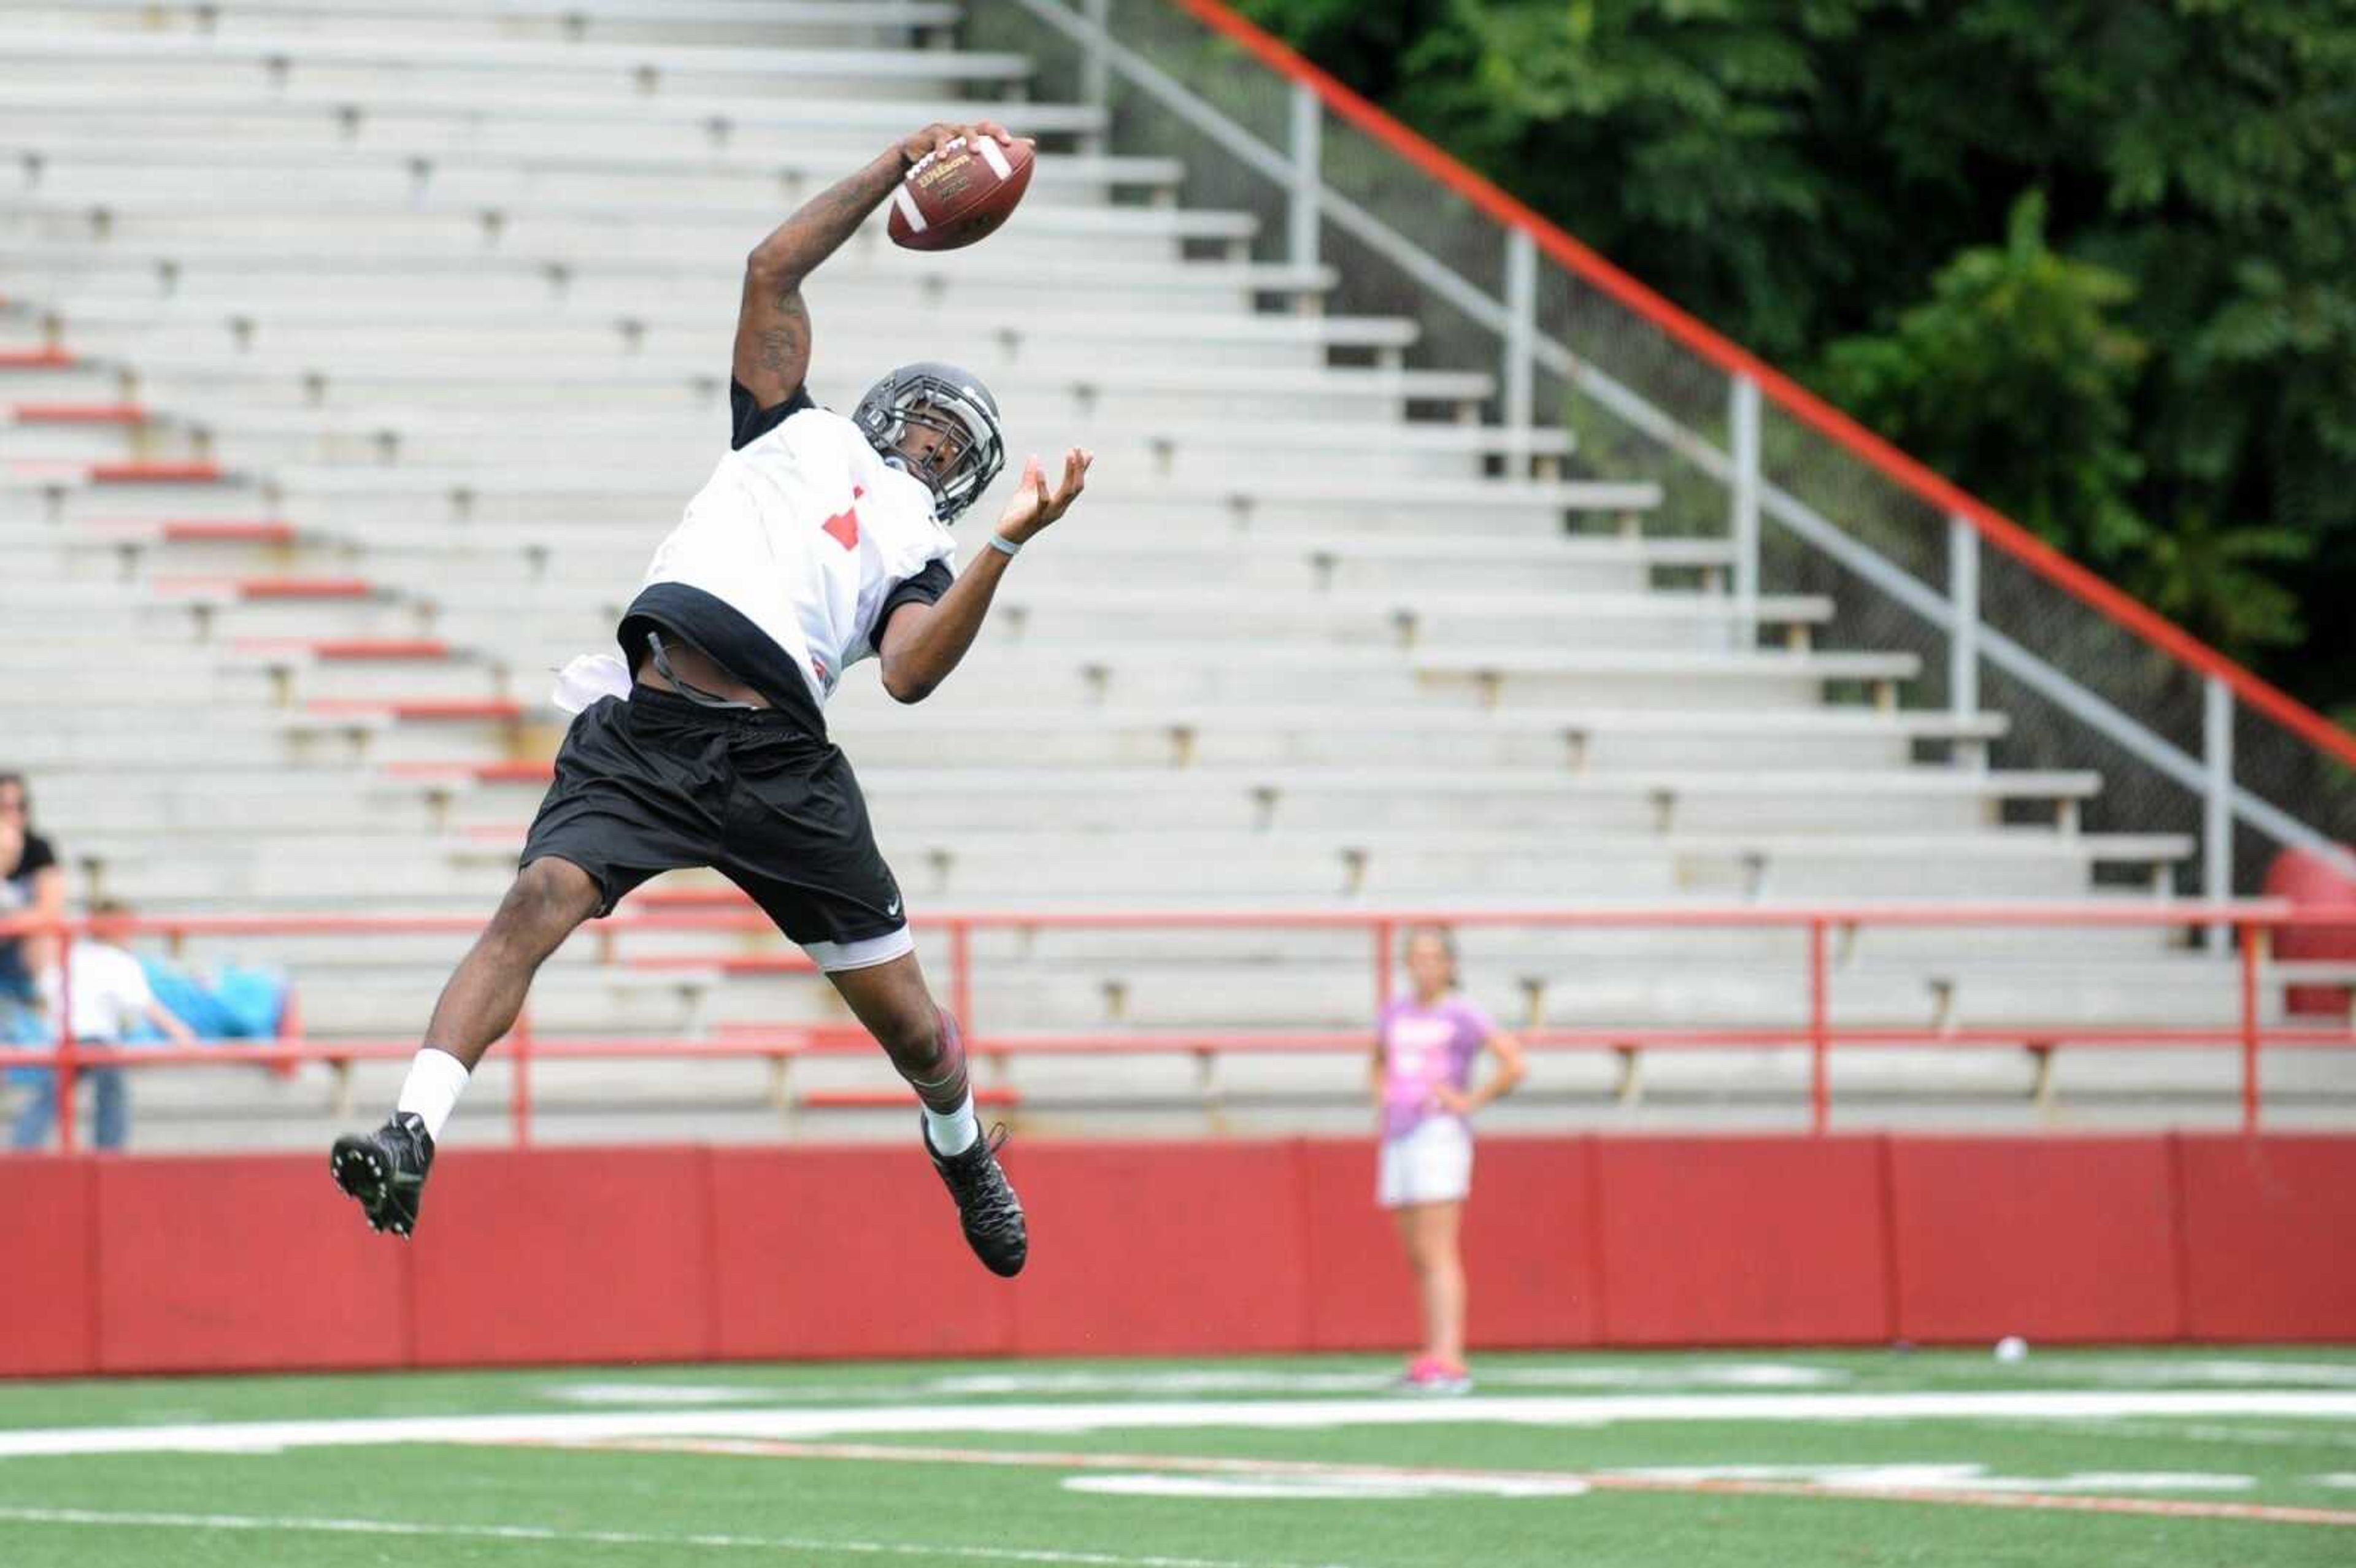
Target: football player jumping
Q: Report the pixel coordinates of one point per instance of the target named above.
(818, 542)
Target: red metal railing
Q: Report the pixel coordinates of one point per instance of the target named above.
(2254, 920)
(1787, 394)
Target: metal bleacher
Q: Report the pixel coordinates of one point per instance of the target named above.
(354, 353)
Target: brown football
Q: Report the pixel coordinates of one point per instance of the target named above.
(959, 193)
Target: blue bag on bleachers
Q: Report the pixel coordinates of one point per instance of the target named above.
(241, 1003)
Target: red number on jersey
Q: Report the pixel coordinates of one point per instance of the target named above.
(844, 524)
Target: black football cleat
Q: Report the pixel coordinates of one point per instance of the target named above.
(385, 1170)
(987, 1207)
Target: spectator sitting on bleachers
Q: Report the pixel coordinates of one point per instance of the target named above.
(107, 993)
(31, 883)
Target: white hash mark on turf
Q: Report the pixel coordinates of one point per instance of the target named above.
(2161, 1371)
(1291, 1415)
(231, 1521)
(1946, 1476)
(2188, 1432)
(1324, 1489)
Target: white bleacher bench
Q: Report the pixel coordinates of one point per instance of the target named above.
(1572, 867)
(1314, 560)
(1490, 668)
(130, 326)
(649, 66)
(1182, 729)
(595, 430)
(66, 270)
(1423, 386)
(704, 225)
(1175, 735)
(1406, 613)
(65, 208)
(389, 433)
(372, 492)
(1660, 550)
(1583, 866)
(1831, 844)
(1564, 495)
(109, 166)
(391, 561)
(581, 17)
(1400, 618)
(1205, 794)
(472, 115)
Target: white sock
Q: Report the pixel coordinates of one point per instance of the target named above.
(435, 1081)
(952, 1132)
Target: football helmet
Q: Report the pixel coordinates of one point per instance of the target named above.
(952, 401)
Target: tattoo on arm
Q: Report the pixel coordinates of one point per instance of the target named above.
(773, 340)
(785, 347)
(773, 328)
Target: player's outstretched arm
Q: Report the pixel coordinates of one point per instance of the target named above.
(922, 643)
(773, 324)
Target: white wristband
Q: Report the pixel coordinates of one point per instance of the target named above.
(1001, 542)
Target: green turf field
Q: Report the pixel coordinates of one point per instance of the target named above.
(2226, 1456)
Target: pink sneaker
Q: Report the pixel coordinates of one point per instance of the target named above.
(1430, 1374)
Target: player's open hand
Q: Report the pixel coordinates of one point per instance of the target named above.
(915, 149)
(1034, 506)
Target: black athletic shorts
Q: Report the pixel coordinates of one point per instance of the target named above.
(658, 783)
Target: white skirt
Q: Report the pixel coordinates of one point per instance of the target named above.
(1433, 1164)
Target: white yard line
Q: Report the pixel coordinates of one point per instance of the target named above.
(1245, 1380)
(825, 1549)
(1560, 1410)
(1179, 1383)
(1960, 1485)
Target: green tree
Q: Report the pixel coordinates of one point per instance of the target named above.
(1839, 183)
(2017, 367)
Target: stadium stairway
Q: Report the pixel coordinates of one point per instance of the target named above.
(354, 355)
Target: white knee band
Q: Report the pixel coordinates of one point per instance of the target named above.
(862, 955)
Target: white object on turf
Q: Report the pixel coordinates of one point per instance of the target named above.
(2011, 1348)
(435, 1081)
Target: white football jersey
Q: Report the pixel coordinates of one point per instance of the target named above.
(796, 543)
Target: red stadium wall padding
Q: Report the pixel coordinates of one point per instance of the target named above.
(1539, 1190)
(563, 1256)
(2269, 1237)
(49, 1267)
(1139, 1249)
(2053, 1238)
(1365, 1294)
(280, 1277)
(1529, 1242)
(654, 1253)
(1743, 1240)
(848, 1252)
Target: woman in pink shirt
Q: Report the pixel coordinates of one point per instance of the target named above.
(1425, 1046)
